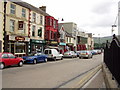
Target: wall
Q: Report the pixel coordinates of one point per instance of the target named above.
(17, 17)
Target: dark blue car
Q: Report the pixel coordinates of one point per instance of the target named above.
(39, 57)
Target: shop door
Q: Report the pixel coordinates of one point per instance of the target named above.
(12, 48)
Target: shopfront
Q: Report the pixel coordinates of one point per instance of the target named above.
(71, 47)
(18, 45)
(62, 47)
(36, 46)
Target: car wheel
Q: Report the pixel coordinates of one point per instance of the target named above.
(88, 57)
(79, 57)
(72, 56)
(45, 59)
(20, 64)
(54, 58)
(34, 61)
(2, 66)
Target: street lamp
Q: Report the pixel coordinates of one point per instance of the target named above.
(99, 40)
(113, 29)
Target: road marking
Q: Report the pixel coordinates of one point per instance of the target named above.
(69, 81)
(87, 77)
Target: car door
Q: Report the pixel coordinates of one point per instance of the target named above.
(13, 59)
(40, 58)
(6, 59)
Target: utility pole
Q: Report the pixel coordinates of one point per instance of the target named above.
(4, 29)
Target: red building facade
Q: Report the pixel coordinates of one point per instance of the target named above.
(51, 31)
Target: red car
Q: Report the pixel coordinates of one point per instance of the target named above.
(8, 59)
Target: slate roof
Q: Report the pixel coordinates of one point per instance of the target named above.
(29, 6)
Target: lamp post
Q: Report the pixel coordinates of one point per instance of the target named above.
(4, 29)
(113, 28)
(99, 40)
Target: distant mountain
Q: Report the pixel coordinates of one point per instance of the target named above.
(102, 39)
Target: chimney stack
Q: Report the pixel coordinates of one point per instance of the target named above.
(43, 8)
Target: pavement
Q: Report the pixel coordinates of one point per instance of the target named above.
(97, 81)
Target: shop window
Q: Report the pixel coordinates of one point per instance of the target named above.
(33, 31)
(12, 8)
(20, 47)
(40, 32)
(23, 12)
(12, 25)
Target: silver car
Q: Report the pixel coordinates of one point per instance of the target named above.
(70, 54)
(85, 54)
(53, 54)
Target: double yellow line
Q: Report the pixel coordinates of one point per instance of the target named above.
(87, 77)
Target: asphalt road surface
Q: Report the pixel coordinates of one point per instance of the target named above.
(53, 74)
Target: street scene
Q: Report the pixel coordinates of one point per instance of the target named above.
(64, 73)
(49, 44)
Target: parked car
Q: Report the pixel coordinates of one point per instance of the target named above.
(70, 54)
(53, 54)
(85, 54)
(38, 57)
(8, 59)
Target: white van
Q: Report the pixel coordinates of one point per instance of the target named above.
(53, 54)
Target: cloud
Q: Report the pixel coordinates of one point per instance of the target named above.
(103, 8)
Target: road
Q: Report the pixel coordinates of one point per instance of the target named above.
(53, 74)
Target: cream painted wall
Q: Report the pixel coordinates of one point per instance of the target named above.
(37, 25)
(17, 17)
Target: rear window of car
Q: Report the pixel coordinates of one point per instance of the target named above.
(47, 51)
(4, 56)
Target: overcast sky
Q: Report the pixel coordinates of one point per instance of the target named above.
(91, 16)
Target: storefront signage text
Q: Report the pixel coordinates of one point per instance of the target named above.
(19, 38)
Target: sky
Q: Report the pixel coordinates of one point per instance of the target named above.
(91, 16)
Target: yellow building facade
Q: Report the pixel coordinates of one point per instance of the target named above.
(17, 28)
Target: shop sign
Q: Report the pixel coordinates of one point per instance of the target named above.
(70, 44)
(63, 44)
(20, 25)
(19, 38)
(54, 42)
(38, 41)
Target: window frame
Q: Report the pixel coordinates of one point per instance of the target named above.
(34, 17)
(12, 9)
(12, 25)
(41, 19)
(23, 12)
(33, 30)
